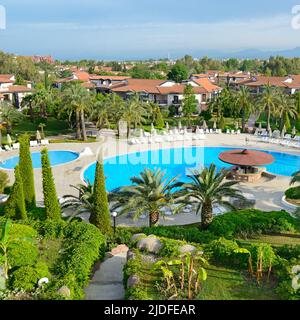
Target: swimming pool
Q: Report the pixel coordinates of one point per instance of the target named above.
(181, 161)
(56, 158)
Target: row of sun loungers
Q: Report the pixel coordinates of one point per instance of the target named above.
(16, 146)
(286, 141)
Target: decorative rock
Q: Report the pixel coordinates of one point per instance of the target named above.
(137, 236)
(150, 244)
(130, 255)
(64, 291)
(187, 248)
(132, 281)
(119, 249)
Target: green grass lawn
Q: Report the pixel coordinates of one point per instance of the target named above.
(274, 240)
(228, 284)
(53, 127)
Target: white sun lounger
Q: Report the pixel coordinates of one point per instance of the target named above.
(33, 143)
(16, 146)
(44, 142)
(7, 148)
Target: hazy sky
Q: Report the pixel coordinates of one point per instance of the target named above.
(120, 29)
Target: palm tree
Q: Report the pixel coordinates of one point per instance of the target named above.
(83, 203)
(9, 116)
(268, 101)
(296, 178)
(243, 102)
(208, 187)
(101, 112)
(150, 193)
(117, 108)
(286, 110)
(134, 113)
(78, 100)
(153, 111)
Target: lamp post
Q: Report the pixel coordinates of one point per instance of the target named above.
(114, 215)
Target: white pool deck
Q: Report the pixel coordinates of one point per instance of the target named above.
(268, 194)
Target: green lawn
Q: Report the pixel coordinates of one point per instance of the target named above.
(53, 127)
(274, 240)
(229, 284)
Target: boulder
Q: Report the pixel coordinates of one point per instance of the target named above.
(187, 248)
(131, 255)
(119, 249)
(64, 291)
(132, 281)
(150, 244)
(137, 236)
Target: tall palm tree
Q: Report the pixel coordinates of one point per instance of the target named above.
(9, 116)
(78, 100)
(244, 105)
(286, 110)
(134, 113)
(268, 101)
(150, 193)
(101, 112)
(206, 188)
(296, 178)
(117, 108)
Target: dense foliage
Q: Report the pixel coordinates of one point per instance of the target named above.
(26, 171)
(52, 207)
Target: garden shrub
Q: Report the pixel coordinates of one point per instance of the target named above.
(293, 193)
(82, 247)
(222, 251)
(4, 180)
(189, 234)
(283, 272)
(50, 229)
(250, 222)
(288, 252)
(24, 254)
(170, 247)
(27, 277)
(26, 171)
(52, 206)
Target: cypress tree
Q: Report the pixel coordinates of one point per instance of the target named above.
(15, 207)
(100, 215)
(26, 171)
(52, 207)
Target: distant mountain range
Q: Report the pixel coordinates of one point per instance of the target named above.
(252, 54)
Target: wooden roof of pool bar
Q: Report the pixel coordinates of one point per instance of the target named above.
(246, 158)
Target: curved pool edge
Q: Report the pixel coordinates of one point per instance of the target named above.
(54, 166)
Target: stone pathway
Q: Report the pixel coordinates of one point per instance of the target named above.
(107, 282)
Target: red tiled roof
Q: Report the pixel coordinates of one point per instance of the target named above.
(113, 78)
(88, 85)
(82, 76)
(280, 82)
(207, 85)
(139, 85)
(16, 89)
(6, 78)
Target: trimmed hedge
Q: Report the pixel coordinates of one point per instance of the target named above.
(83, 246)
(251, 222)
(293, 193)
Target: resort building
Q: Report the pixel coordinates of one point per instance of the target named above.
(289, 84)
(168, 93)
(92, 81)
(11, 92)
(229, 78)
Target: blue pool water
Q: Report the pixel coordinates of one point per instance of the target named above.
(119, 170)
(56, 158)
